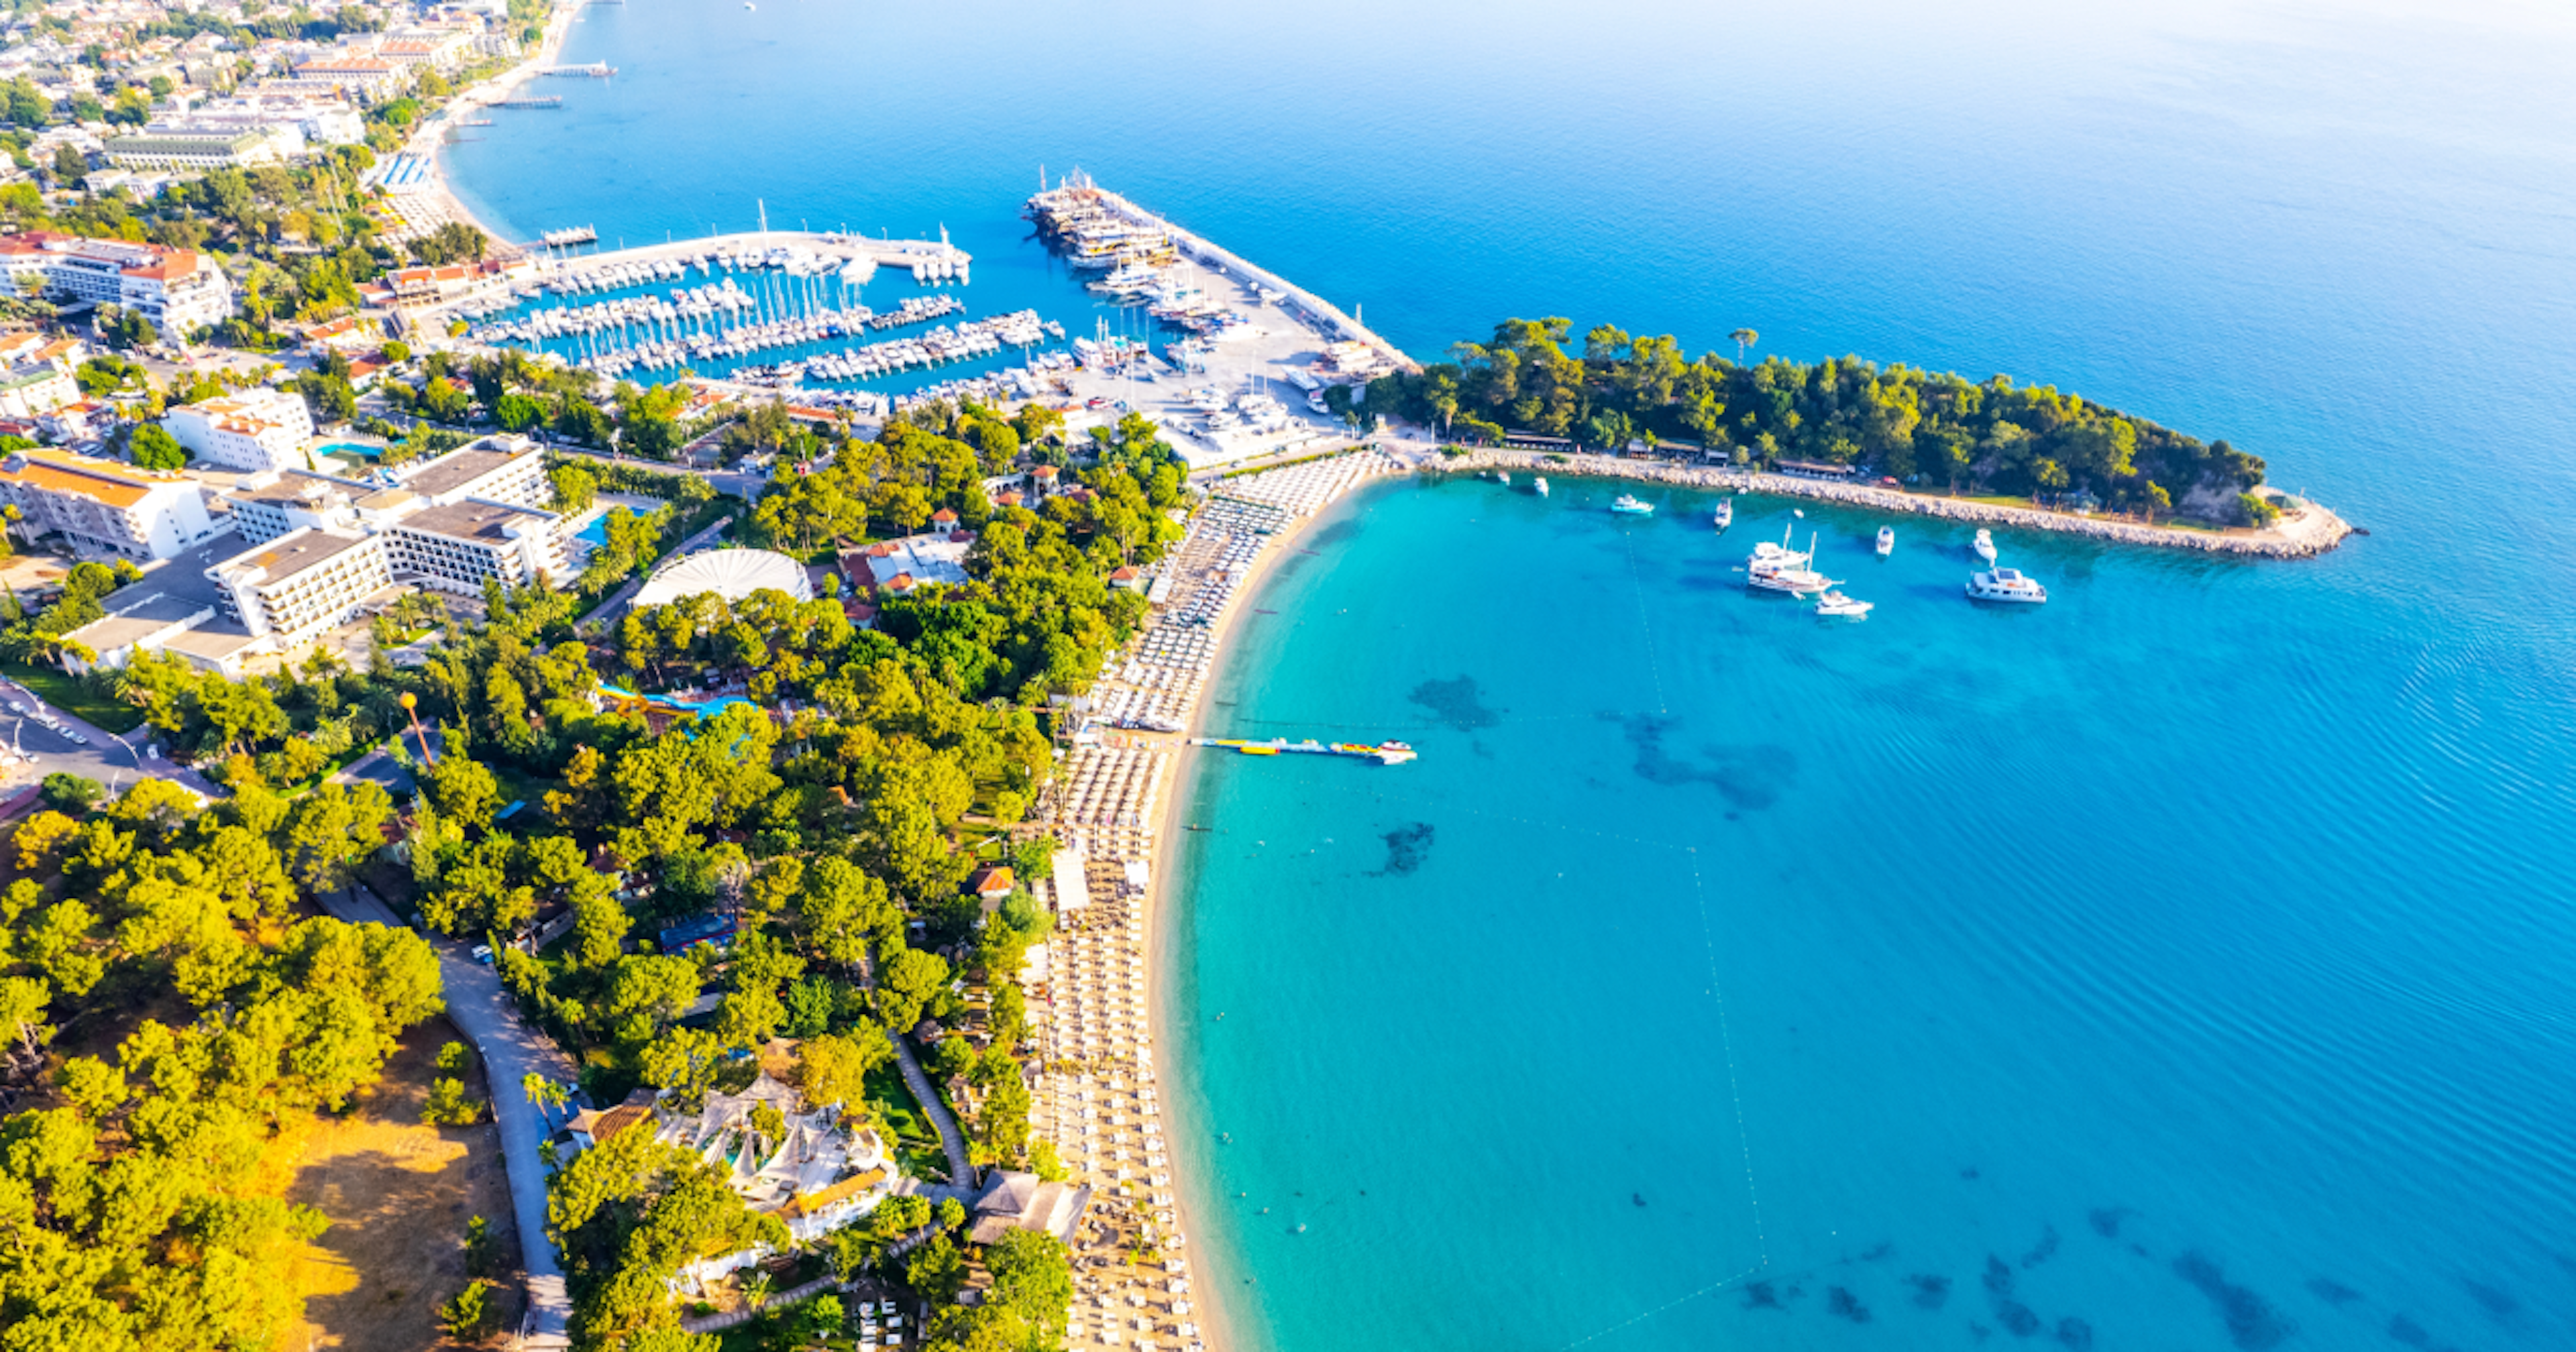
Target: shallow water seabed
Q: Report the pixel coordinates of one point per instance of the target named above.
(1963, 968)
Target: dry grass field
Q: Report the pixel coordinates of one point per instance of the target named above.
(399, 1195)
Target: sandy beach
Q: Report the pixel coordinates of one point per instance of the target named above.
(1119, 800)
(435, 201)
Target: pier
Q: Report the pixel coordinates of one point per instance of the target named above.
(1384, 753)
(1325, 316)
(543, 101)
(579, 234)
(596, 70)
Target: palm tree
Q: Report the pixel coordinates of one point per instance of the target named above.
(1743, 338)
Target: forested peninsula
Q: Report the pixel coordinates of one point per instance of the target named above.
(1932, 430)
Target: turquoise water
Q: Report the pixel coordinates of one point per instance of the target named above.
(2188, 959)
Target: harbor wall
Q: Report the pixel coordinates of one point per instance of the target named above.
(1309, 306)
(2305, 532)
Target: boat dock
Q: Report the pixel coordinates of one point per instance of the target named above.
(1326, 317)
(545, 101)
(596, 70)
(1384, 753)
(579, 234)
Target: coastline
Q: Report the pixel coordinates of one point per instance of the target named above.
(1213, 579)
(429, 141)
(2305, 532)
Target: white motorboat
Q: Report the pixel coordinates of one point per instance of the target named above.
(1835, 603)
(1886, 541)
(1540, 483)
(1502, 478)
(1984, 544)
(1632, 506)
(1725, 513)
(2005, 584)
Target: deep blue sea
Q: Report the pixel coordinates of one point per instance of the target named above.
(2185, 964)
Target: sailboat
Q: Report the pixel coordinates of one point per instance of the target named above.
(1785, 571)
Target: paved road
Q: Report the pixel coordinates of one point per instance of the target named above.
(105, 757)
(961, 1171)
(510, 1050)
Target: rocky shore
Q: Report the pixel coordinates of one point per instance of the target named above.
(2304, 530)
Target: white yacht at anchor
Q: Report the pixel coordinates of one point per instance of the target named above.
(1786, 571)
(1539, 483)
(1886, 541)
(2005, 584)
(1725, 513)
(1836, 604)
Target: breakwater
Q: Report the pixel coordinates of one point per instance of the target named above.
(2303, 531)
(1326, 317)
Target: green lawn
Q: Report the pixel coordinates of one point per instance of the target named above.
(916, 1141)
(67, 692)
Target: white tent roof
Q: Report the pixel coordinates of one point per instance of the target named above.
(730, 573)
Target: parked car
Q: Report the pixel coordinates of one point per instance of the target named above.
(483, 954)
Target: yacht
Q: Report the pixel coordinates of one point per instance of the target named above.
(1779, 555)
(2005, 584)
(1503, 478)
(1886, 541)
(1725, 513)
(1540, 483)
(1835, 603)
(1984, 544)
(1784, 570)
(1630, 506)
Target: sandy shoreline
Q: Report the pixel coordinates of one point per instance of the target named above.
(429, 141)
(1162, 896)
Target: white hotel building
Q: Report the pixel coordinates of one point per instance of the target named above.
(174, 288)
(315, 551)
(103, 507)
(254, 431)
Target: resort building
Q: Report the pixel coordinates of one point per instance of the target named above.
(785, 1158)
(102, 507)
(174, 288)
(255, 430)
(309, 552)
(299, 586)
(446, 524)
(1016, 1201)
(456, 546)
(898, 566)
(199, 146)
